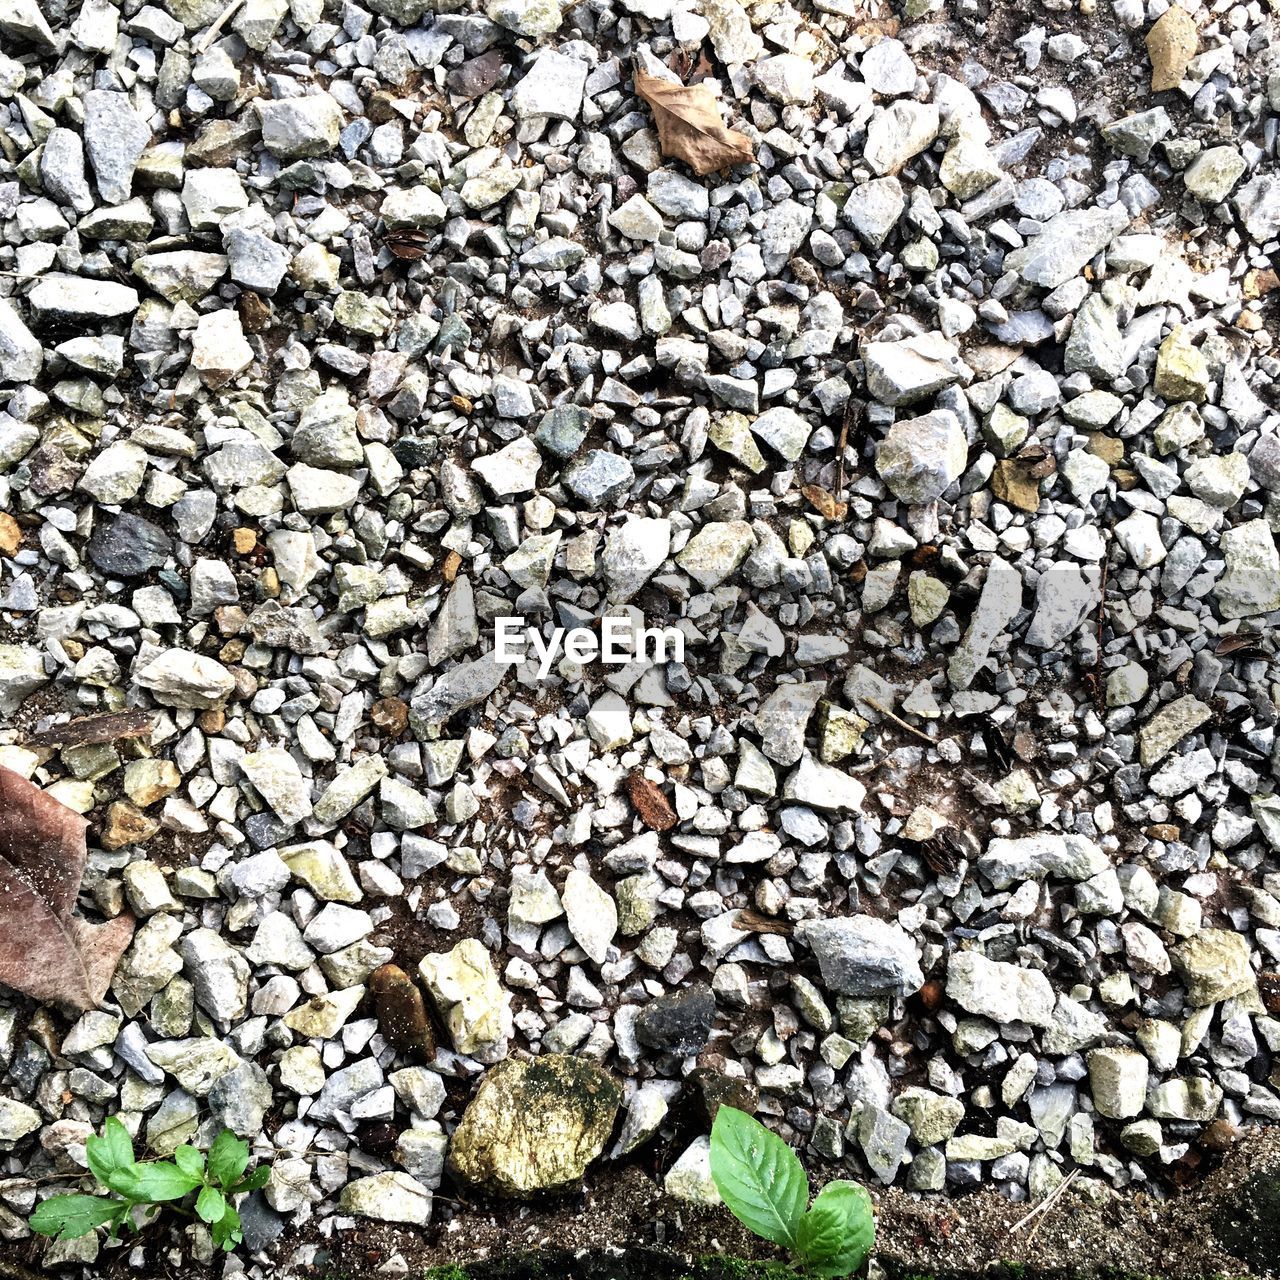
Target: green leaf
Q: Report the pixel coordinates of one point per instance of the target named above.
(160, 1180)
(226, 1231)
(110, 1157)
(69, 1217)
(758, 1176)
(837, 1233)
(211, 1204)
(190, 1161)
(258, 1178)
(228, 1158)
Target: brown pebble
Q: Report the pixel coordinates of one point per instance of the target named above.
(212, 721)
(126, 825)
(452, 563)
(653, 807)
(391, 715)
(930, 995)
(718, 1090)
(255, 312)
(10, 534)
(244, 541)
(402, 1015)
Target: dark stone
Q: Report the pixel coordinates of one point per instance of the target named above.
(413, 453)
(260, 1223)
(679, 1022)
(402, 1013)
(265, 830)
(128, 547)
(52, 472)
(476, 75)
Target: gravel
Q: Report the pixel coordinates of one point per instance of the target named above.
(943, 438)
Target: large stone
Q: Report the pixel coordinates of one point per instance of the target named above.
(63, 299)
(1002, 992)
(21, 355)
(715, 551)
(897, 133)
(474, 1008)
(299, 128)
(179, 678)
(1048, 855)
(391, 1196)
(911, 369)
(1213, 965)
(921, 457)
(592, 914)
(21, 674)
(1066, 243)
(1169, 726)
(115, 136)
(535, 1126)
(633, 553)
(1118, 1080)
(863, 956)
(873, 209)
(1251, 583)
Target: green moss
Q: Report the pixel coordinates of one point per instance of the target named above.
(450, 1272)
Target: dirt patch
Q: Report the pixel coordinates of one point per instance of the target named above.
(621, 1221)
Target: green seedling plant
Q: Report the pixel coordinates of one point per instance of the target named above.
(205, 1183)
(763, 1185)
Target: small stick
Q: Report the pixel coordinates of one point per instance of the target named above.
(1047, 1202)
(1102, 619)
(898, 720)
(223, 18)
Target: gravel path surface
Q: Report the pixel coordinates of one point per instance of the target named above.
(928, 458)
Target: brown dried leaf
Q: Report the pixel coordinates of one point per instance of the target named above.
(94, 729)
(653, 807)
(748, 921)
(407, 243)
(1240, 646)
(824, 502)
(690, 127)
(45, 951)
(1171, 44)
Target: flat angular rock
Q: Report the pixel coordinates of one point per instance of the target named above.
(1066, 243)
(911, 369)
(1002, 992)
(863, 956)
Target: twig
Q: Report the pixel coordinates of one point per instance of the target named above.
(898, 720)
(849, 411)
(223, 18)
(1102, 619)
(1047, 1203)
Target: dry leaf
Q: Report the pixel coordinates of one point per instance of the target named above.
(748, 921)
(45, 951)
(109, 727)
(1171, 44)
(407, 243)
(690, 127)
(824, 502)
(653, 807)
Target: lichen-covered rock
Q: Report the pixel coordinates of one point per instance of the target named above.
(535, 1126)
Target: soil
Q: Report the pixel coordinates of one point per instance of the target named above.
(621, 1227)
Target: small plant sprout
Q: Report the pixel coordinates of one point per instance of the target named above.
(762, 1183)
(211, 1180)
